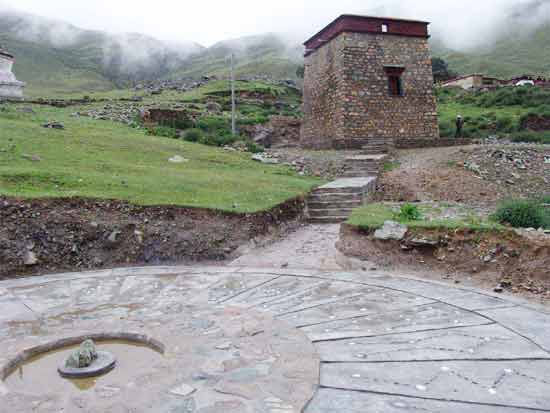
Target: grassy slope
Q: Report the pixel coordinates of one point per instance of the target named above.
(511, 55)
(49, 71)
(102, 159)
(264, 55)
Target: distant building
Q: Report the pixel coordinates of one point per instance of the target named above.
(473, 81)
(481, 82)
(529, 80)
(368, 81)
(10, 87)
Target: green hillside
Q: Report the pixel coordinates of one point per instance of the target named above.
(511, 55)
(57, 58)
(265, 55)
(103, 159)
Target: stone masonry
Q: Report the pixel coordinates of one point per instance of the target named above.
(349, 98)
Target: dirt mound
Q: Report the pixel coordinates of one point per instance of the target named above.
(509, 259)
(51, 235)
(480, 174)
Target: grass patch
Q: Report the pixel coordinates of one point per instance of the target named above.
(391, 166)
(521, 213)
(103, 159)
(373, 216)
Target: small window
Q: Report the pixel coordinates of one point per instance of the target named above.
(384, 28)
(395, 85)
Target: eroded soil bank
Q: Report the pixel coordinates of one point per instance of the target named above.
(55, 235)
(516, 262)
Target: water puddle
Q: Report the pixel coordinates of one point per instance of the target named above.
(38, 376)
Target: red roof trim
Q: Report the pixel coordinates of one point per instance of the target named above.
(352, 23)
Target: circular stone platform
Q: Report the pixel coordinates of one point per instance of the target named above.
(243, 340)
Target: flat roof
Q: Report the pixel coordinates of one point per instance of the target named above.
(365, 17)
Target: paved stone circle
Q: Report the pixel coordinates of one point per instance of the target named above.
(241, 339)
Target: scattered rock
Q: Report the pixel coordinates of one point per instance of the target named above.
(178, 159)
(264, 158)
(30, 258)
(421, 242)
(53, 125)
(33, 158)
(391, 231)
(224, 346)
(113, 236)
(183, 390)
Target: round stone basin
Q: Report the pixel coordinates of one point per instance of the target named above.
(38, 376)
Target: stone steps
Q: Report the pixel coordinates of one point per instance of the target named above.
(364, 165)
(334, 202)
(377, 146)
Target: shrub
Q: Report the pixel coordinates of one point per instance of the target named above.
(211, 124)
(522, 214)
(253, 147)
(164, 131)
(214, 139)
(409, 212)
(193, 135)
(254, 120)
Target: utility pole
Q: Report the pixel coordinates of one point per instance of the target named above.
(233, 108)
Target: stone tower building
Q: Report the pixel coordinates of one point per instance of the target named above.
(10, 87)
(368, 82)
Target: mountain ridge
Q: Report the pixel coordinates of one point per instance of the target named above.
(54, 55)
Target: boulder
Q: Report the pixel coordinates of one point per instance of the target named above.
(83, 357)
(391, 230)
(258, 157)
(423, 242)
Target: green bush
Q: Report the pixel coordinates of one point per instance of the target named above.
(164, 131)
(409, 212)
(193, 135)
(210, 124)
(523, 214)
(214, 139)
(254, 120)
(253, 147)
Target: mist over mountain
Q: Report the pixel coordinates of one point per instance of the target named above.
(55, 55)
(47, 50)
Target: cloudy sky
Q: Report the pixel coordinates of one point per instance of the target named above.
(460, 22)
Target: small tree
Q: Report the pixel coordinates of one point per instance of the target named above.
(441, 70)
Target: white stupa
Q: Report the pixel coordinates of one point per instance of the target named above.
(10, 87)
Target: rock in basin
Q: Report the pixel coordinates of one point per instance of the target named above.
(104, 363)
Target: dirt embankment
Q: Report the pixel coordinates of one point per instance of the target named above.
(477, 174)
(516, 263)
(55, 235)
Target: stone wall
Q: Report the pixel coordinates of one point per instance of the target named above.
(432, 143)
(346, 97)
(536, 123)
(323, 122)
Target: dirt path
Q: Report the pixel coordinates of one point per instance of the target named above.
(308, 247)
